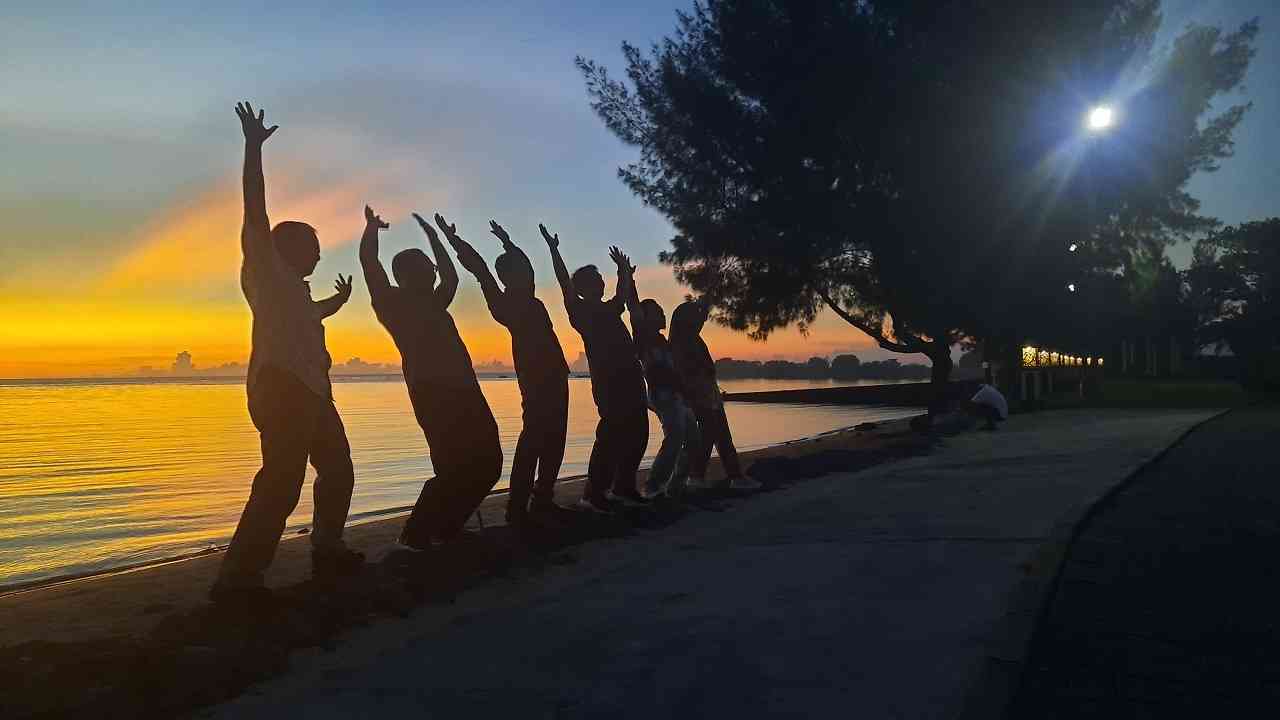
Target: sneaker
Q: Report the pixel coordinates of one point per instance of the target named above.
(336, 560)
(517, 517)
(628, 498)
(700, 483)
(402, 544)
(595, 504)
(743, 482)
(546, 511)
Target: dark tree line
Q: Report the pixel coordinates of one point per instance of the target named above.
(922, 169)
(1234, 289)
(841, 367)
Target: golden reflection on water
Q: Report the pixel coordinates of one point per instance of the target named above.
(98, 475)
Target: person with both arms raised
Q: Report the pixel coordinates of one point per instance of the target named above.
(541, 372)
(617, 381)
(443, 389)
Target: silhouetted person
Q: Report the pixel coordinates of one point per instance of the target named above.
(617, 381)
(989, 404)
(541, 371)
(681, 438)
(446, 397)
(290, 400)
(698, 373)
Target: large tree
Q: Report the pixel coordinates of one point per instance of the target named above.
(920, 168)
(1235, 284)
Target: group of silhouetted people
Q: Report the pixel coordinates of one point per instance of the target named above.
(291, 401)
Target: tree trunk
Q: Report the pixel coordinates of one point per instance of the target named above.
(940, 375)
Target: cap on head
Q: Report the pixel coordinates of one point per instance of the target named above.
(413, 270)
(588, 282)
(297, 244)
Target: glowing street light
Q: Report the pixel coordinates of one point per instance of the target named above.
(1100, 118)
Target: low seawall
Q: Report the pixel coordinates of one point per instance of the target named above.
(902, 394)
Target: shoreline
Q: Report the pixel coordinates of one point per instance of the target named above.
(177, 583)
(368, 517)
(964, 514)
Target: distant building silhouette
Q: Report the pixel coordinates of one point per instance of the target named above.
(182, 364)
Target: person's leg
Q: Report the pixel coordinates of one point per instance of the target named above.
(601, 465)
(424, 521)
(551, 448)
(473, 464)
(724, 445)
(335, 478)
(701, 459)
(671, 415)
(633, 441)
(691, 448)
(284, 411)
(528, 449)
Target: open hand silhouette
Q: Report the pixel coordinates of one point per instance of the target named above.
(255, 130)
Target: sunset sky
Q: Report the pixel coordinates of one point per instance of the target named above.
(121, 151)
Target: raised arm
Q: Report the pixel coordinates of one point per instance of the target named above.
(255, 234)
(626, 294)
(334, 303)
(562, 272)
(375, 275)
(474, 264)
(508, 246)
(448, 285)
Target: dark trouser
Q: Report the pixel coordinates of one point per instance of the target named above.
(541, 443)
(621, 436)
(466, 455)
(715, 431)
(295, 425)
(984, 411)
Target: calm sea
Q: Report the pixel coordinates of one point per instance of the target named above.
(98, 474)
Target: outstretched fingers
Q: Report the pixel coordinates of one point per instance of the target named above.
(450, 231)
(374, 219)
(254, 124)
(552, 240)
(426, 227)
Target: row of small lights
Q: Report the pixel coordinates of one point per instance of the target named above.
(1035, 357)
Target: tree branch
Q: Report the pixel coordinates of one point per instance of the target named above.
(912, 345)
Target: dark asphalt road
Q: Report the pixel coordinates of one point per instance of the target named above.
(1169, 601)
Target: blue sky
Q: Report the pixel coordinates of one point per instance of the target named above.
(122, 156)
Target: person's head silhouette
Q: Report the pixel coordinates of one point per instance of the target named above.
(687, 320)
(655, 318)
(297, 244)
(515, 272)
(414, 271)
(588, 283)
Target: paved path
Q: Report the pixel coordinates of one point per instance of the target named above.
(1169, 598)
(864, 595)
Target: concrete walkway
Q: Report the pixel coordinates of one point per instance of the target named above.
(871, 594)
(1169, 601)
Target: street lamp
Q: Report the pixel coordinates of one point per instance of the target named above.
(1100, 118)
